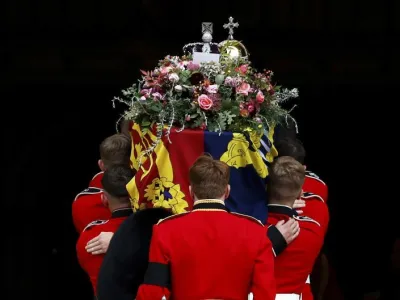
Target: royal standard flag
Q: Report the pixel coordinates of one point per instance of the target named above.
(162, 178)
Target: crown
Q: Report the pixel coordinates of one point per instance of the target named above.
(230, 47)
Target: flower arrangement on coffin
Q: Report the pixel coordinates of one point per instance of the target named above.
(229, 95)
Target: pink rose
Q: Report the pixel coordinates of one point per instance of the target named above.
(250, 108)
(243, 68)
(243, 89)
(187, 118)
(205, 102)
(260, 97)
(212, 89)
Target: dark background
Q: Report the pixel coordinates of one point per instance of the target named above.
(63, 61)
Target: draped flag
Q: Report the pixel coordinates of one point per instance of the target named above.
(162, 179)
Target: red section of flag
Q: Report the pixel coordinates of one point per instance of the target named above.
(183, 150)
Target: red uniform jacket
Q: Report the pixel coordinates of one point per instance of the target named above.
(209, 253)
(91, 263)
(315, 185)
(88, 207)
(316, 209)
(96, 180)
(293, 265)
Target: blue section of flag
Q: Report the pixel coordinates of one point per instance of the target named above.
(248, 195)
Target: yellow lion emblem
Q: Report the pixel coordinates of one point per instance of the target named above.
(243, 151)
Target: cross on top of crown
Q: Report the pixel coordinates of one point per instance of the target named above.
(207, 27)
(230, 26)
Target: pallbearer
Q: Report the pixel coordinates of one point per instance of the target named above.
(209, 253)
(295, 263)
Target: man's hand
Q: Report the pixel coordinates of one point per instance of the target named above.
(289, 230)
(298, 203)
(99, 244)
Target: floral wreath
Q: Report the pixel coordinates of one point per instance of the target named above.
(229, 95)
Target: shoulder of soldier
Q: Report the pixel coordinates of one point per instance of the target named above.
(302, 219)
(314, 176)
(95, 223)
(98, 174)
(308, 195)
(247, 217)
(173, 217)
(89, 191)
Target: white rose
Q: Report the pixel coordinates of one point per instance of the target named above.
(178, 88)
(173, 77)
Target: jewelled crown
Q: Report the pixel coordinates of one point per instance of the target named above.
(230, 47)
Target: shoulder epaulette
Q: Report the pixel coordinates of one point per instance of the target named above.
(314, 176)
(172, 217)
(308, 195)
(306, 219)
(94, 223)
(89, 191)
(249, 218)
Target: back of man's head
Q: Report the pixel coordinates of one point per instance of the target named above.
(286, 178)
(291, 147)
(115, 150)
(209, 178)
(114, 183)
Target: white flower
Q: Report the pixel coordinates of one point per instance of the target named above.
(212, 89)
(143, 98)
(178, 88)
(173, 77)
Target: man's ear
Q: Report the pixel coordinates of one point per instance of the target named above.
(190, 192)
(101, 165)
(104, 199)
(227, 191)
(300, 194)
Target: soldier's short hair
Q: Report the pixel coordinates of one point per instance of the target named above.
(116, 150)
(209, 177)
(286, 178)
(115, 179)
